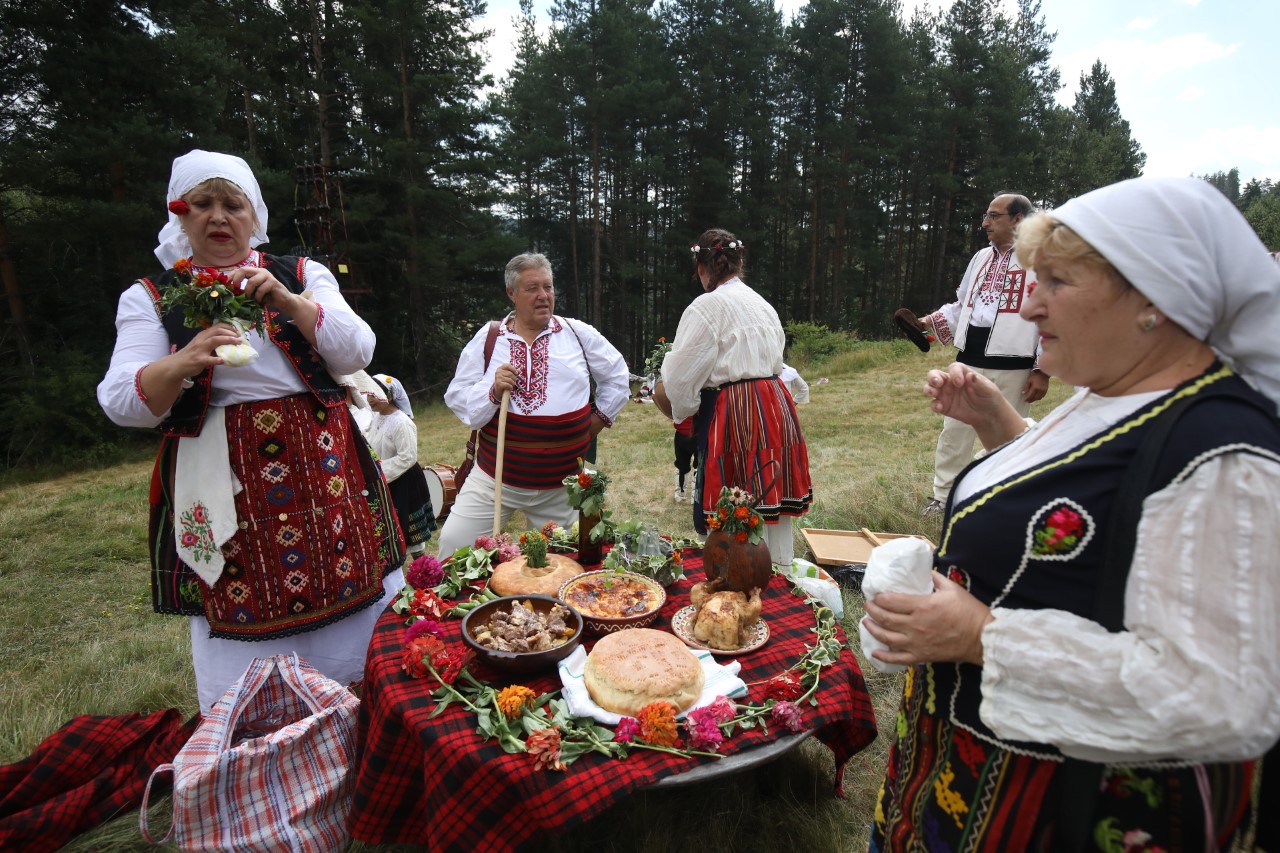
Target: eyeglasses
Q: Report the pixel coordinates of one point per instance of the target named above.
(990, 215)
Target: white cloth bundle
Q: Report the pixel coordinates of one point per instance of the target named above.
(901, 565)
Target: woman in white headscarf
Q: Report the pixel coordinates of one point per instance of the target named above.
(394, 437)
(270, 524)
(1096, 667)
(396, 394)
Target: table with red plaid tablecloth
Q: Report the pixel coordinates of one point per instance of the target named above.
(437, 782)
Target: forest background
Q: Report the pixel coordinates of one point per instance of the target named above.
(852, 150)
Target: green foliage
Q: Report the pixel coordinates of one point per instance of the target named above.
(50, 417)
(1262, 209)
(811, 344)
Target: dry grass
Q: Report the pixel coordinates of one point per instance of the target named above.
(78, 635)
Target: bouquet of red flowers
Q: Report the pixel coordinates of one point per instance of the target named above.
(209, 297)
(735, 513)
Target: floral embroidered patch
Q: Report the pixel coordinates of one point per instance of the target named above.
(197, 533)
(1060, 530)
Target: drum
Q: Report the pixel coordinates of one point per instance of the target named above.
(443, 492)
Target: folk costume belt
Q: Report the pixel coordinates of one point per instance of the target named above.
(538, 445)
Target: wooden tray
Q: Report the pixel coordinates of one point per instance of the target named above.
(848, 547)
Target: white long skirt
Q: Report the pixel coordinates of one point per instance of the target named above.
(337, 650)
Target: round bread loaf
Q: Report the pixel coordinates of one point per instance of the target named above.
(629, 669)
(515, 578)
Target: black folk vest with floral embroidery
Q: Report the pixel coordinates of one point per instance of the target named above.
(186, 418)
(1033, 541)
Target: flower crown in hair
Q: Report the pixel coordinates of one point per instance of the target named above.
(719, 247)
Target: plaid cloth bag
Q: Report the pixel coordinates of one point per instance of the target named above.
(269, 767)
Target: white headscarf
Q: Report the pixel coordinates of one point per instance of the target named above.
(192, 169)
(1187, 249)
(398, 395)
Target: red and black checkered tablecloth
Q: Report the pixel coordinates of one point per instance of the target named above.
(438, 783)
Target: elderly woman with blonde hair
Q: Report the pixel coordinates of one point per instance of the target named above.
(1096, 666)
(271, 527)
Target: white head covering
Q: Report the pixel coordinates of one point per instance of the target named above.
(1187, 249)
(192, 169)
(364, 383)
(398, 395)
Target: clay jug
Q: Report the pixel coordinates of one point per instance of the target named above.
(588, 551)
(741, 566)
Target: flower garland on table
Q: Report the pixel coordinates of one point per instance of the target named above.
(735, 514)
(428, 581)
(542, 726)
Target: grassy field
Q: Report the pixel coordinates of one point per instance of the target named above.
(77, 635)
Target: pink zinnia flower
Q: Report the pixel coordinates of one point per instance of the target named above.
(486, 542)
(721, 709)
(424, 572)
(789, 716)
(423, 628)
(626, 730)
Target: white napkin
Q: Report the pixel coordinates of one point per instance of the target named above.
(804, 574)
(718, 680)
(204, 508)
(900, 565)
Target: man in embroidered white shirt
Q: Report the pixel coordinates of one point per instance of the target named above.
(548, 363)
(983, 324)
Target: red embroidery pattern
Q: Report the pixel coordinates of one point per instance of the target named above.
(137, 384)
(532, 369)
(1011, 294)
(993, 278)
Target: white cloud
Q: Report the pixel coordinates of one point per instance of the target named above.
(1191, 93)
(1140, 24)
(1255, 151)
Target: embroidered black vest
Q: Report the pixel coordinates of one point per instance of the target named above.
(1033, 541)
(186, 418)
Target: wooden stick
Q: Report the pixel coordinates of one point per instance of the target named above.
(874, 539)
(497, 465)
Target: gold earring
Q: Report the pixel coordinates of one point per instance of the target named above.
(1149, 322)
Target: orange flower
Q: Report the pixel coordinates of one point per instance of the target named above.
(584, 480)
(544, 746)
(741, 512)
(713, 522)
(658, 724)
(754, 521)
(514, 699)
(740, 536)
(723, 513)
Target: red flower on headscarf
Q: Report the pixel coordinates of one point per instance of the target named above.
(179, 207)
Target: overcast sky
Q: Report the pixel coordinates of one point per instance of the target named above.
(1198, 80)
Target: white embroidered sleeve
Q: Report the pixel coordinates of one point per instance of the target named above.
(140, 340)
(688, 365)
(1196, 673)
(468, 393)
(343, 339)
